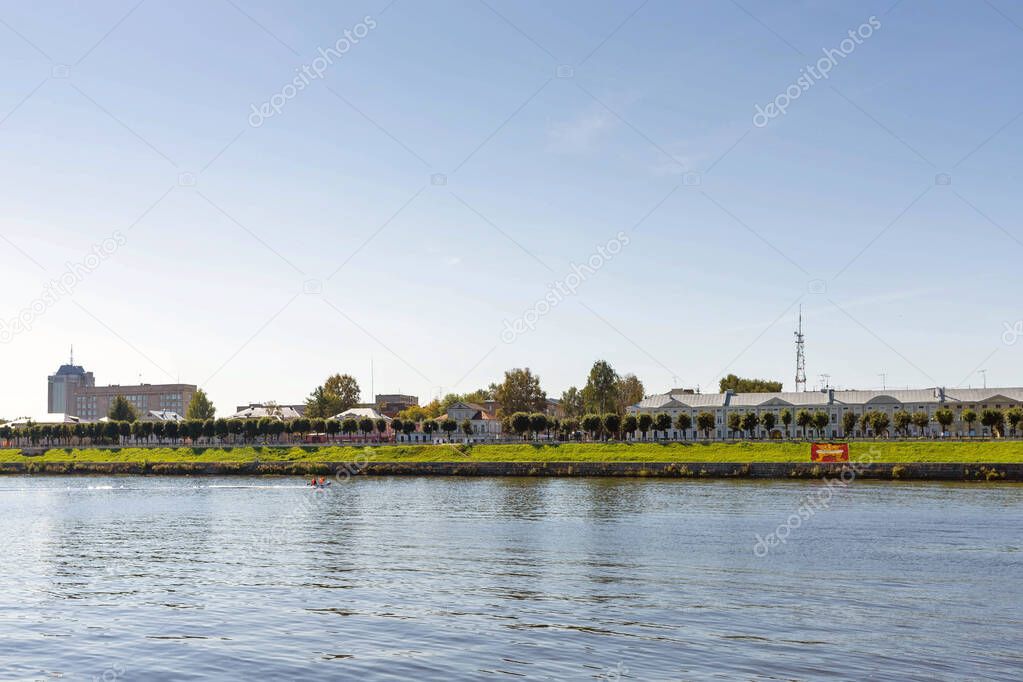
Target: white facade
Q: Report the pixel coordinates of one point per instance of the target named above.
(833, 403)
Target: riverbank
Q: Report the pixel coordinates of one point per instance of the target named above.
(952, 461)
(920, 471)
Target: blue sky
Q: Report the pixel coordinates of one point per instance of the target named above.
(318, 242)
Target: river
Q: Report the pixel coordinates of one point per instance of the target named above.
(546, 579)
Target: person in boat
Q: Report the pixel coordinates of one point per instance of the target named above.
(323, 482)
(313, 482)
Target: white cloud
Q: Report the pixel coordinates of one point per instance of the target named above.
(579, 135)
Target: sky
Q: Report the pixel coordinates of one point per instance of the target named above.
(463, 187)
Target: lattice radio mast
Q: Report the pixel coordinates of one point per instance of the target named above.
(800, 354)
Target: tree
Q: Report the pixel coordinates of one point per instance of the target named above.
(993, 420)
(921, 420)
(786, 420)
(803, 420)
(750, 421)
(705, 421)
(592, 424)
(121, 410)
(408, 427)
(1014, 415)
(381, 426)
(901, 420)
(520, 392)
(572, 402)
(220, 428)
(429, 426)
(821, 421)
(630, 392)
(448, 426)
(945, 417)
(538, 423)
(848, 423)
(644, 424)
(467, 427)
(520, 424)
(348, 426)
(612, 423)
(200, 407)
(683, 422)
(662, 422)
(366, 425)
(734, 423)
(969, 417)
(338, 393)
(866, 422)
(742, 385)
(630, 424)
(880, 421)
(601, 391)
(768, 420)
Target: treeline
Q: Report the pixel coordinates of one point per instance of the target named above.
(221, 431)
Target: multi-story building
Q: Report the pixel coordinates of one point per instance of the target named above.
(93, 403)
(835, 404)
(390, 404)
(64, 384)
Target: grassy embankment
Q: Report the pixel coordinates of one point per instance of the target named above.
(878, 451)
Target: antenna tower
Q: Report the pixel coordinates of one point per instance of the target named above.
(800, 354)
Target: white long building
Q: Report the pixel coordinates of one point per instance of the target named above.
(834, 403)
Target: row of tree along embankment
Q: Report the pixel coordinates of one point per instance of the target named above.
(923, 471)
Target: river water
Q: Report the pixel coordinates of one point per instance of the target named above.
(549, 579)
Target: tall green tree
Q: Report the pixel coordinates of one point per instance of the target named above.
(742, 385)
(630, 392)
(804, 419)
(683, 422)
(121, 410)
(600, 395)
(338, 393)
(969, 418)
(1014, 415)
(200, 407)
(821, 421)
(786, 420)
(612, 423)
(994, 420)
(705, 421)
(644, 423)
(520, 392)
(848, 423)
(662, 422)
(945, 417)
(572, 402)
(520, 424)
(768, 419)
(734, 423)
(920, 421)
(901, 420)
(880, 422)
(750, 421)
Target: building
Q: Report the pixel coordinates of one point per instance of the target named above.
(92, 403)
(64, 385)
(835, 404)
(486, 426)
(47, 419)
(270, 410)
(358, 413)
(390, 404)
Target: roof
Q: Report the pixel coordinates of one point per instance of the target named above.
(282, 412)
(906, 397)
(361, 413)
(46, 418)
(163, 416)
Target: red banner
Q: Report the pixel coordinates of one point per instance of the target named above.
(829, 452)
